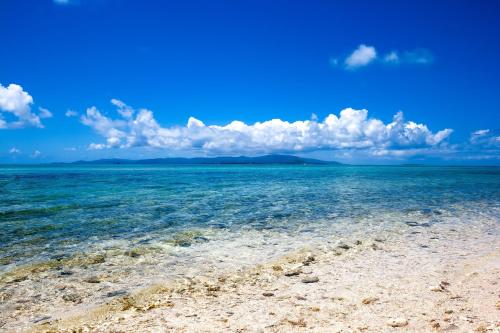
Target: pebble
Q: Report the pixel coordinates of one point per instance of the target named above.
(75, 298)
(92, 279)
(63, 273)
(116, 293)
(132, 253)
(294, 272)
(267, 294)
(310, 279)
(309, 259)
(369, 300)
(39, 319)
(398, 322)
(342, 245)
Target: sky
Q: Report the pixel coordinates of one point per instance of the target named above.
(377, 82)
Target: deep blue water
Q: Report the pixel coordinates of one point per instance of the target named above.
(48, 209)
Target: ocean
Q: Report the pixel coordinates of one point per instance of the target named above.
(79, 235)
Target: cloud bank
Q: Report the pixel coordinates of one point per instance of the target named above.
(16, 103)
(365, 55)
(351, 129)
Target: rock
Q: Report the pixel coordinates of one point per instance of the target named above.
(448, 311)
(343, 246)
(358, 242)
(310, 279)
(73, 297)
(39, 319)
(66, 273)
(267, 294)
(369, 300)
(441, 287)
(451, 327)
(116, 293)
(277, 268)
(293, 272)
(309, 259)
(398, 322)
(379, 239)
(98, 259)
(132, 253)
(92, 279)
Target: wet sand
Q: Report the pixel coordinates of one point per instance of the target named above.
(416, 279)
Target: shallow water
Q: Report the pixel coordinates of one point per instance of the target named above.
(51, 211)
(75, 236)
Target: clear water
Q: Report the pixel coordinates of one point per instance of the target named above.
(47, 211)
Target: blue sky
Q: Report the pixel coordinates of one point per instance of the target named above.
(250, 77)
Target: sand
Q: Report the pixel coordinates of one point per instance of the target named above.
(440, 278)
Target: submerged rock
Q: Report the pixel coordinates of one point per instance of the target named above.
(132, 253)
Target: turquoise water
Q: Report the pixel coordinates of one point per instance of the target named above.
(50, 211)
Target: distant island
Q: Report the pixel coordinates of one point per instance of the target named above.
(266, 159)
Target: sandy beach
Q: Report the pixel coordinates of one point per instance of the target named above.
(418, 279)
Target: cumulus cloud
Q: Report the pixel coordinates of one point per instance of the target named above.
(14, 151)
(415, 57)
(36, 154)
(351, 129)
(485, 138)
(360, 57)
(365, 55)
(44, 113)
(71, 113)
(16, 103)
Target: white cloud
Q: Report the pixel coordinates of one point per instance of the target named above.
(392, 57)
(36, 154)
(44, 113)
(71, 113)
(361, 57)
(14, 151)
(366, 55)
(16, 102)
(485, 138)
(352, 129)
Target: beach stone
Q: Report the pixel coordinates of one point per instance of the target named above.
(309, 259)
(40, 319)
(369, 300)
(398, 322)
(358, 242)
(132, 253)
(293, 272)
(116, 293)
(92, 279)
(73, 297)
(343, 246)
(267, 294)
(66, 273)
(310, 279)
(98, 259)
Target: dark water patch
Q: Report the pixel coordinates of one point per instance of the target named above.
(34, 212)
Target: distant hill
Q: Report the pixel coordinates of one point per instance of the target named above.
(267, 159)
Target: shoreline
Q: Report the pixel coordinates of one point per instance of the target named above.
(445, 279)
